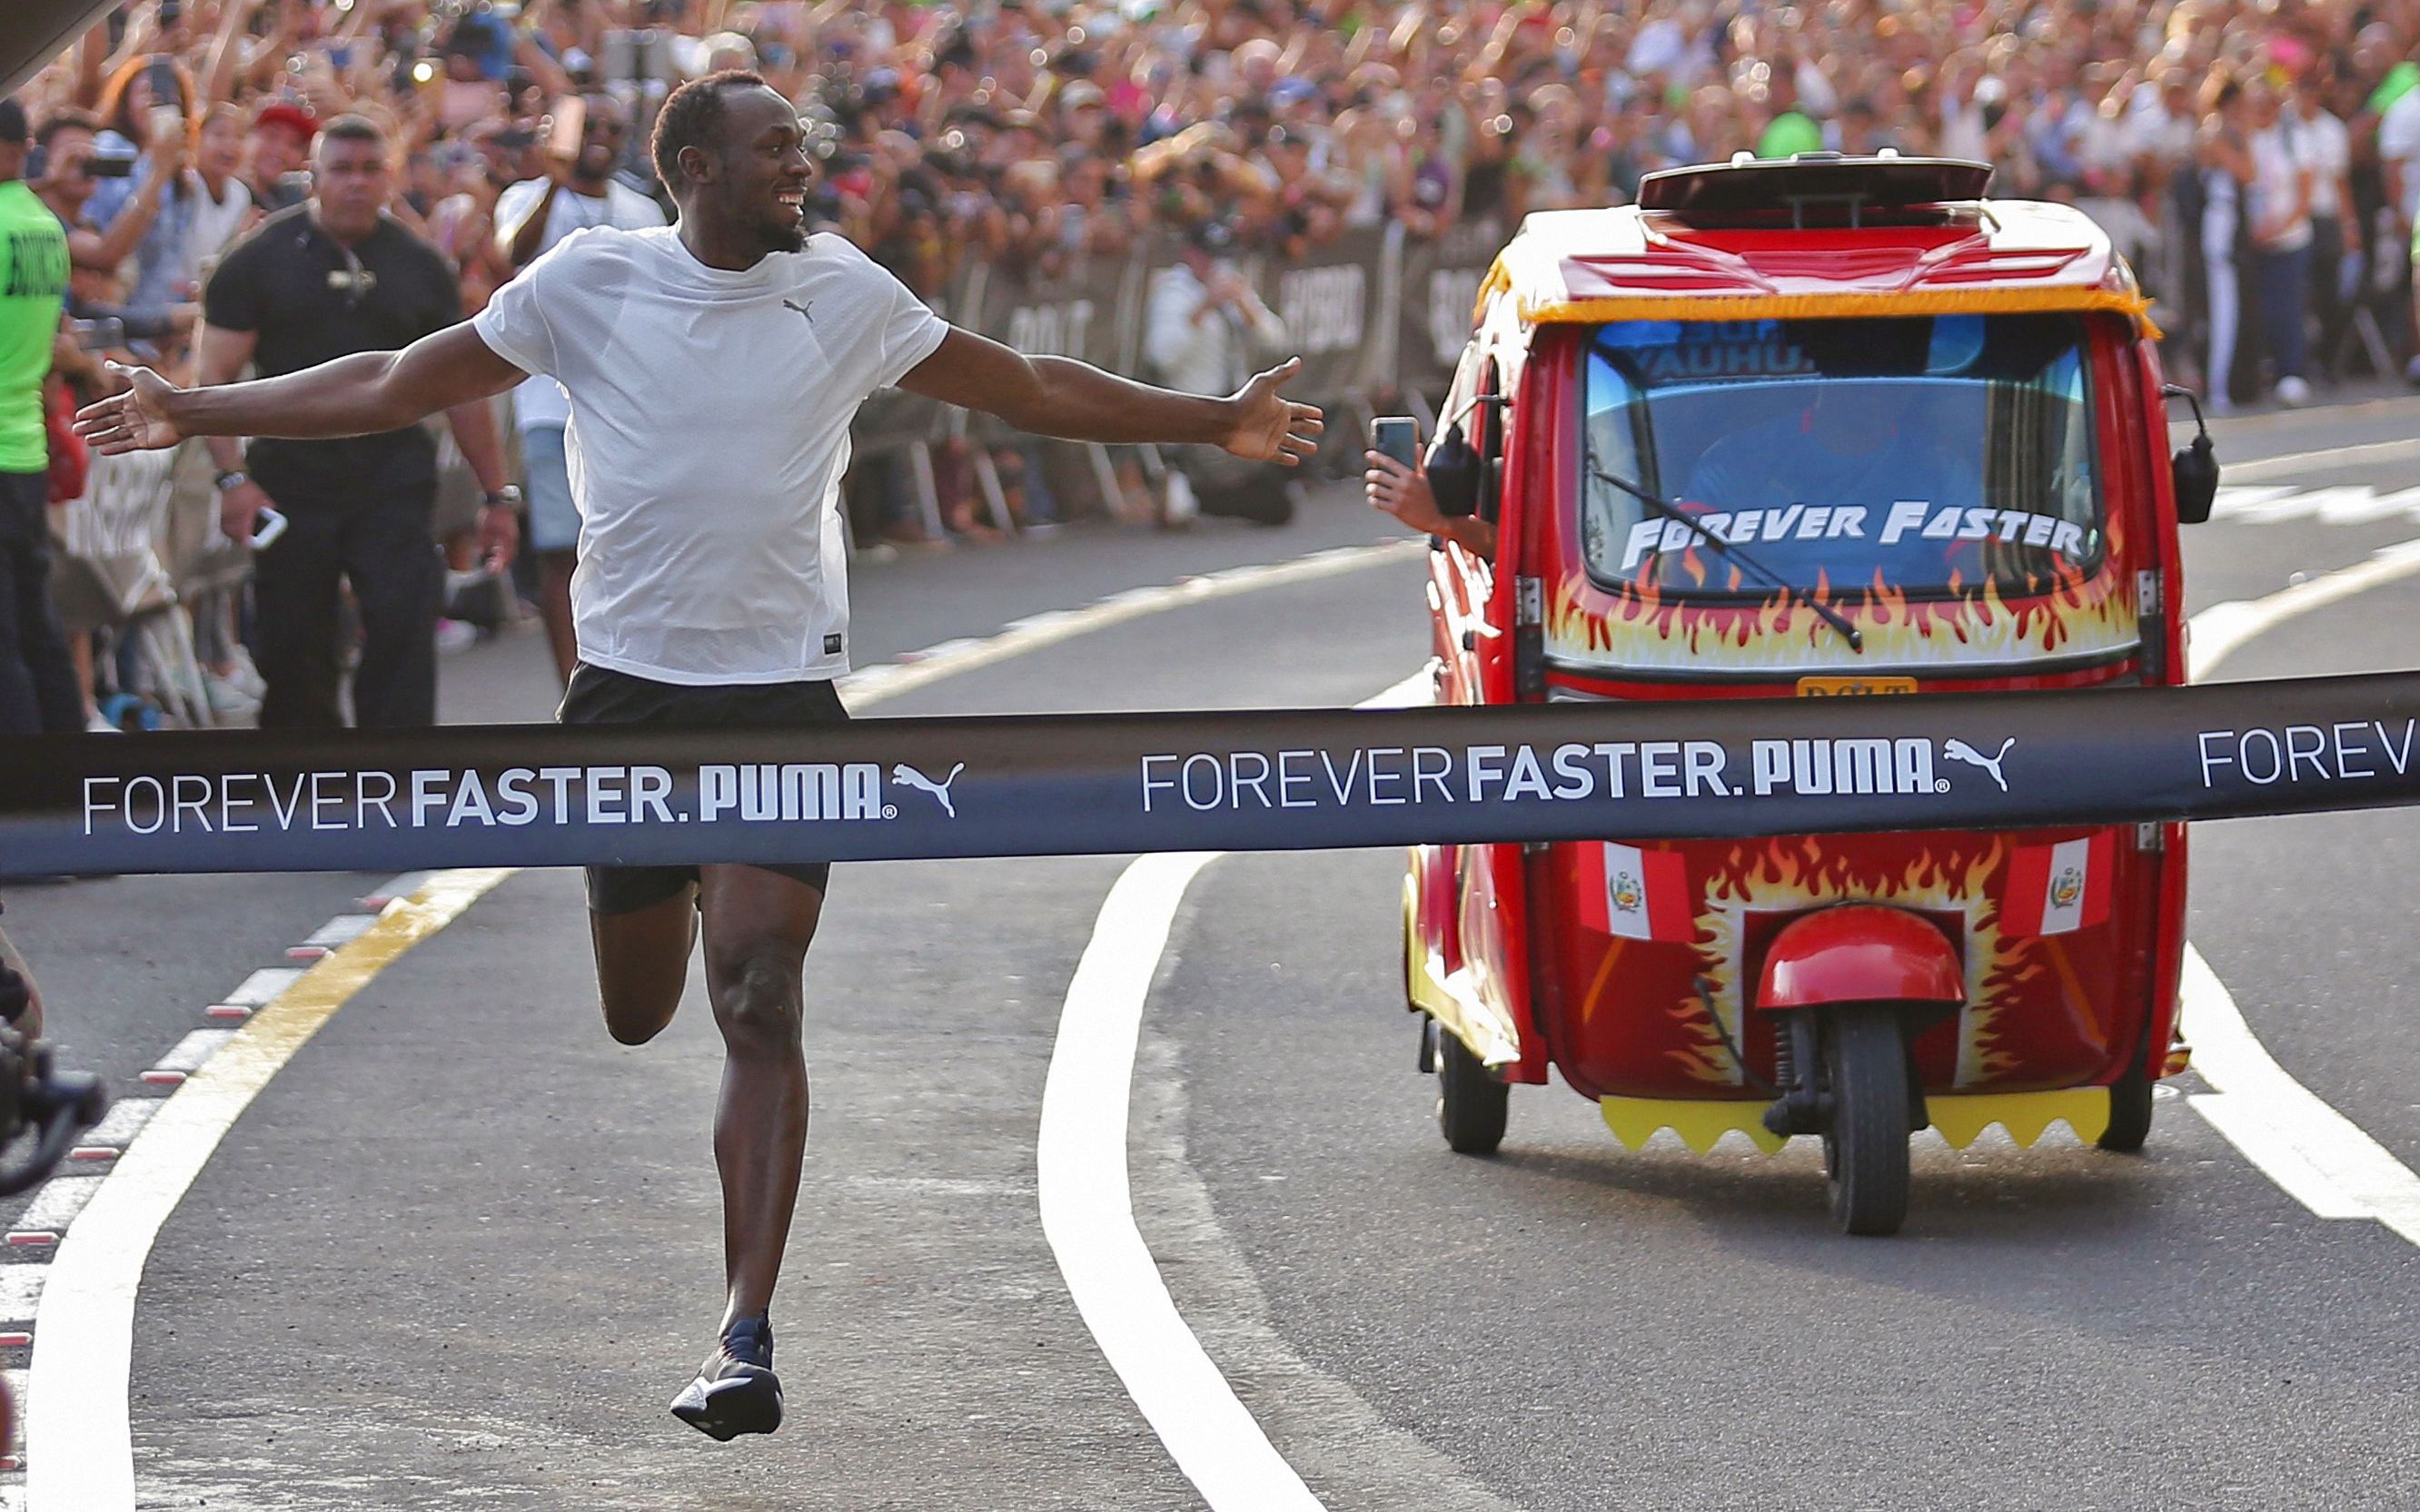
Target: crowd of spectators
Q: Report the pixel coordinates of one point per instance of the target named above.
(2259, 159)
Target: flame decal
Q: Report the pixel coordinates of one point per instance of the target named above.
(1637, 629)
(1792, 874)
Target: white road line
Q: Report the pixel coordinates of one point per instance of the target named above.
(342, 928)
(264, 985)
(2320, 1156)
(1036, 631)
(1088, 1205)
(123, 1121)
(2294, 464)
(57, 1202)
(79, 1444)
(194, 1048)
(2316, 1155)
(2220, 630)
(1088, 1209)
(77, 1426)
(21, 1291)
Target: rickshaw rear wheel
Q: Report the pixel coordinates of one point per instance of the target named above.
(1471, 1103)
(2130, 1114)
(1866, 1156)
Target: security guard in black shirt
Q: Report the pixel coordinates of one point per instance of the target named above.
(332, 277)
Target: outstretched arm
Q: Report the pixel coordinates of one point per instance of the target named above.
(1075, 401)
(356, 395)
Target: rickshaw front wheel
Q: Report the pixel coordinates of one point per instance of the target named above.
(2130, 1114)
(1471, 1103)
(1864, 1152)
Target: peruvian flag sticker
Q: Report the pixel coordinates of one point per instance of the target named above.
(1639, 894)
(2058, 889)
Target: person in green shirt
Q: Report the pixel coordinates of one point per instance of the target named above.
(1791, 130)
(38, 687)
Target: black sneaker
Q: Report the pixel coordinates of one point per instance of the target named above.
(736, 1391)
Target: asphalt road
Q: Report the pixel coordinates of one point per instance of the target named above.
(462, 1249)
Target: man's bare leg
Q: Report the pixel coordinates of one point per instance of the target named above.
(758, 925)
(642, 964)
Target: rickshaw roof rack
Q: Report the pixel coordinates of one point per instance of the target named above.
(1635, 262)
(1818, 189)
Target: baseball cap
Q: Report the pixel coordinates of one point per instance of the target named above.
(1079, 93)
(292, 118)
(13, 125)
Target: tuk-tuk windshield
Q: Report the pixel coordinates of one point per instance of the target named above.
(1938, 453)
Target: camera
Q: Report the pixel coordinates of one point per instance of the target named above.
(99, 335)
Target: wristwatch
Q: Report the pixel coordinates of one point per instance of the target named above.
(507, 497)
(231, 478)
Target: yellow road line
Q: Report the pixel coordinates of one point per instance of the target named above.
(79, 1442)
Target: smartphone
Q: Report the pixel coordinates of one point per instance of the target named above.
(563, 142)
(167, 94)
(99, 335)
(267, 528)
(1397, 436)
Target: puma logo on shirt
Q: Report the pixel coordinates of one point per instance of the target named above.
(807, 309)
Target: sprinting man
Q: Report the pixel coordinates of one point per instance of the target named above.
(711, 584)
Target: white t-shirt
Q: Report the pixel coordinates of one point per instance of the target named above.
(2276, 184)
(217, 218)
(2398, 142)
(709, 428)
(540, 403)
(2326, 148)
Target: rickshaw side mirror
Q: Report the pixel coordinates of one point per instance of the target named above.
(2195, 469)
(1454, 471)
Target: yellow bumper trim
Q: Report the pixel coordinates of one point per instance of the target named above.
(1961, 1117)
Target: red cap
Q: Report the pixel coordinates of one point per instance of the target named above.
(292, 117)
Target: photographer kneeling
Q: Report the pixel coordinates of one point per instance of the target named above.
(1206, 324)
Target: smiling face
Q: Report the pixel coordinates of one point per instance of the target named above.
(749, 181)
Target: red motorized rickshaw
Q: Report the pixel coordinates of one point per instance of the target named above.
(1817, 428)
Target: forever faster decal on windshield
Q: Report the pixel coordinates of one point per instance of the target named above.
(1907, 520)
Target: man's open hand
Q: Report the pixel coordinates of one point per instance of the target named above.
(134, 421)
(1270, 427)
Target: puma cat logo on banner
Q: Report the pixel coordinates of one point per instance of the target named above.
(909, 777)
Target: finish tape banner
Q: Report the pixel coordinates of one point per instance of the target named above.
(886, 789)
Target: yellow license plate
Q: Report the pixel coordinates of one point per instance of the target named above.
(1820, 687)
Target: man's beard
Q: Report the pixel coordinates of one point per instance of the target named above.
(782, 237)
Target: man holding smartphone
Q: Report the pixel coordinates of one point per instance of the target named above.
(579, 192)
(38, 687)
(333, 276)
(1397, 484)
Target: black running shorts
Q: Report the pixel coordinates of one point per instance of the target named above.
(599, 696)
